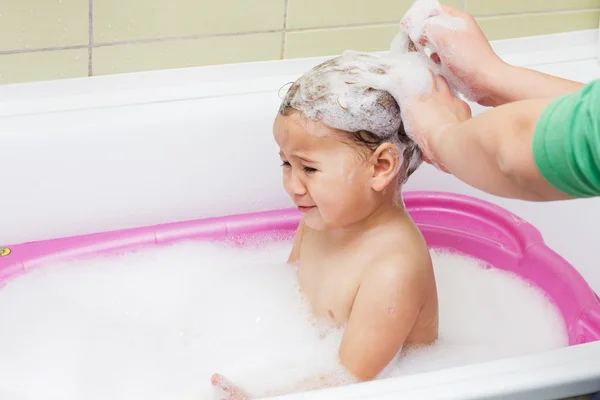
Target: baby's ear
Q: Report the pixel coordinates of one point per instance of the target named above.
(385, 162)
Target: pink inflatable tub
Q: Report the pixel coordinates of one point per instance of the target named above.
(449, 221)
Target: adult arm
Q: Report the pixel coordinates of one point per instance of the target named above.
(536, 149)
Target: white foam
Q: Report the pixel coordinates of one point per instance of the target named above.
(414, 21)
(158, 324)
(414, 28)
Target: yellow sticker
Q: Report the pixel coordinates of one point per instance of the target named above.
(4, 251)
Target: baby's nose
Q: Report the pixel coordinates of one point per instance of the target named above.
(295, 186)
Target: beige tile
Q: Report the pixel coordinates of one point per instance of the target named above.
(327, 13)
(123, 20)
(325, 42)
(540, 24)
(41, 66)
(186, 53)
(30, 24)
(491, 7)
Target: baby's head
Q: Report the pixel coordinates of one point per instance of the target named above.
(342, 143)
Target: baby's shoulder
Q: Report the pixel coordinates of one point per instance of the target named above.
(393, 275)
(400, 250)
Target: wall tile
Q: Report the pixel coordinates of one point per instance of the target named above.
(326, 13)
(30, 24)
(125, 20)
(186, 53)
(325, 42)
(45, 65)
(318, 27)
(541, 24)
(490, 7)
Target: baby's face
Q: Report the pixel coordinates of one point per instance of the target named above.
(329, 180)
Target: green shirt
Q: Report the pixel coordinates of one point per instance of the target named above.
(566, 142)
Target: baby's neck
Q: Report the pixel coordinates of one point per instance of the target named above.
(381, 216)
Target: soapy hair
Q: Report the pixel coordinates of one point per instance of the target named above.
(340, 93)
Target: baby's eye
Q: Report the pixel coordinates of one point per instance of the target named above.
(285, 164)
(309, 170)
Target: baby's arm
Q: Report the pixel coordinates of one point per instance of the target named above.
(385, 309)
(295, 253)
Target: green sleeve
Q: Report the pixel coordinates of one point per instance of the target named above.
(566, 142)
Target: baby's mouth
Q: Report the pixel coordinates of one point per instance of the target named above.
(304, 209)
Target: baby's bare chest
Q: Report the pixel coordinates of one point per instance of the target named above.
(330, 284)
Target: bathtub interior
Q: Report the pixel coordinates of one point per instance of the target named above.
(457, 223)
(111, 153)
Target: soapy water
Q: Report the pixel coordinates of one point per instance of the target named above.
(157, 323)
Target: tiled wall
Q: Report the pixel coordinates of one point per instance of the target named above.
(52, 39)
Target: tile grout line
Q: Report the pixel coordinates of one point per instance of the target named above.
(44, 49)
(177, 38)
(90, 37)
(464, 5)
(284, 31)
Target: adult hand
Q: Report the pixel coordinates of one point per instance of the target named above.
(466, 57)
(428, 117)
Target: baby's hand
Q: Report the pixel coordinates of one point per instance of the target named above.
(227, 390)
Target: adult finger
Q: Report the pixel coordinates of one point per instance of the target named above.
(434, 86)
(442, 85)
(436, 58)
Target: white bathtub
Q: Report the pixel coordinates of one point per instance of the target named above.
(89, 155)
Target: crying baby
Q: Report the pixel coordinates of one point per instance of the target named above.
(361, 261)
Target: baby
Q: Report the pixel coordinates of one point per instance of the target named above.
(362, 262)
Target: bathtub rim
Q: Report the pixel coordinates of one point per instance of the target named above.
(560, 373)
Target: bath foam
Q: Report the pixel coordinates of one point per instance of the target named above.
(157, 323)
(416, 25)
